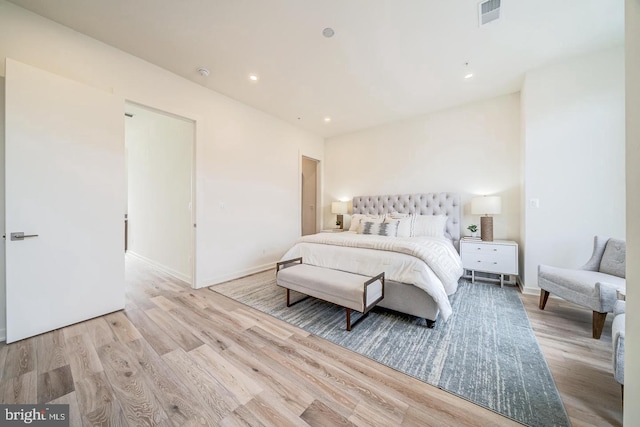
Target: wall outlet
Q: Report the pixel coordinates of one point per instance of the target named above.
(534, 203)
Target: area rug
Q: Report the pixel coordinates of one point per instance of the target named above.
(486, 352)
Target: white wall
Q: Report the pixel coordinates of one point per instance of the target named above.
(159, 170)
(632, 329)
(574, 159)
(473, 149)
(3, 295)
(247, 162)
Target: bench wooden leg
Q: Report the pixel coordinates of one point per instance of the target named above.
(289, 303)
(358, 320)
(544, 296)
(598, 324)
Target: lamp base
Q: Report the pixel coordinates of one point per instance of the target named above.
(486, 228)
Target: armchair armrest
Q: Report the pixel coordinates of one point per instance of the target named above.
(617, 332)
(606, 293)
(619, 308)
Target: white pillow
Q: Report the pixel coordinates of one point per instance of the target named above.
(380, 228)
(429, 225)
(405, 223)
(355, 222)
(398, 215)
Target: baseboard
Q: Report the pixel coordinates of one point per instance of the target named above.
(3, 334)
(530, 290)
(163, 268)
(533, 290)
(238, 274)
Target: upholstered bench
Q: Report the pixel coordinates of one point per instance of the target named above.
(348, 290)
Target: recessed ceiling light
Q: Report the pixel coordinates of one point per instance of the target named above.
(328, 32)
(327, 119)
(468, 76)
(253, 77)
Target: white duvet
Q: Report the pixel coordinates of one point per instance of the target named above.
(431, 264)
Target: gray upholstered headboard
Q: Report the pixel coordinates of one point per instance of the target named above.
(422, 204)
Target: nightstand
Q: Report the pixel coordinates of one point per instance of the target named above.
(497, 257)
(332, 230)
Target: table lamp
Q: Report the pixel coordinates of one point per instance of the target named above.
(339, 208)
(486, 205)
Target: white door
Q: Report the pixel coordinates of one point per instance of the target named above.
(64, 168)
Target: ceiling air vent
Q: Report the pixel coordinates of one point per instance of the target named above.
(489, 11)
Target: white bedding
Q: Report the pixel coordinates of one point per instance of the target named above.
(431, 264)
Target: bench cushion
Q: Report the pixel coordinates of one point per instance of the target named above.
(338, 287)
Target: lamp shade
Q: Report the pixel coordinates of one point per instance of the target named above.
(339, 208)
(486, 205)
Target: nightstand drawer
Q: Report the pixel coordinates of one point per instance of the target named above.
(494, 262)
(487, 248)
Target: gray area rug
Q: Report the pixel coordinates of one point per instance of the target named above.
(486, 353)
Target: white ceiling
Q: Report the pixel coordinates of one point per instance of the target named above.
(389, 59)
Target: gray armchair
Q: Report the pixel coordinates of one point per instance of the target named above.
(617, 334)
(593, 285)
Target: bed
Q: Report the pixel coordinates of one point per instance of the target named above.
(421, 272)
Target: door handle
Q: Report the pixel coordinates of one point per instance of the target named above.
(19, 235)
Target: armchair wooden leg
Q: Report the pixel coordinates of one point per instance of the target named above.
(598, 324)
(544, 296)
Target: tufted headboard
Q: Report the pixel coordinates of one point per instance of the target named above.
(422, 204)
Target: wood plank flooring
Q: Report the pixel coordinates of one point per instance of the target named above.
(178, 356)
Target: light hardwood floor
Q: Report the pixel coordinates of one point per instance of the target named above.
(177, 356)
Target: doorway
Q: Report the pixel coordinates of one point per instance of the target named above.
(159, 153)
(309, 207)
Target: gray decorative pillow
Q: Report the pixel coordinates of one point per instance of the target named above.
(380, 228)
(405, 223)
(358, 219)
(613, 258)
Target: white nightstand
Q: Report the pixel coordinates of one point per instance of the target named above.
(498, 257)
(332, 230)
